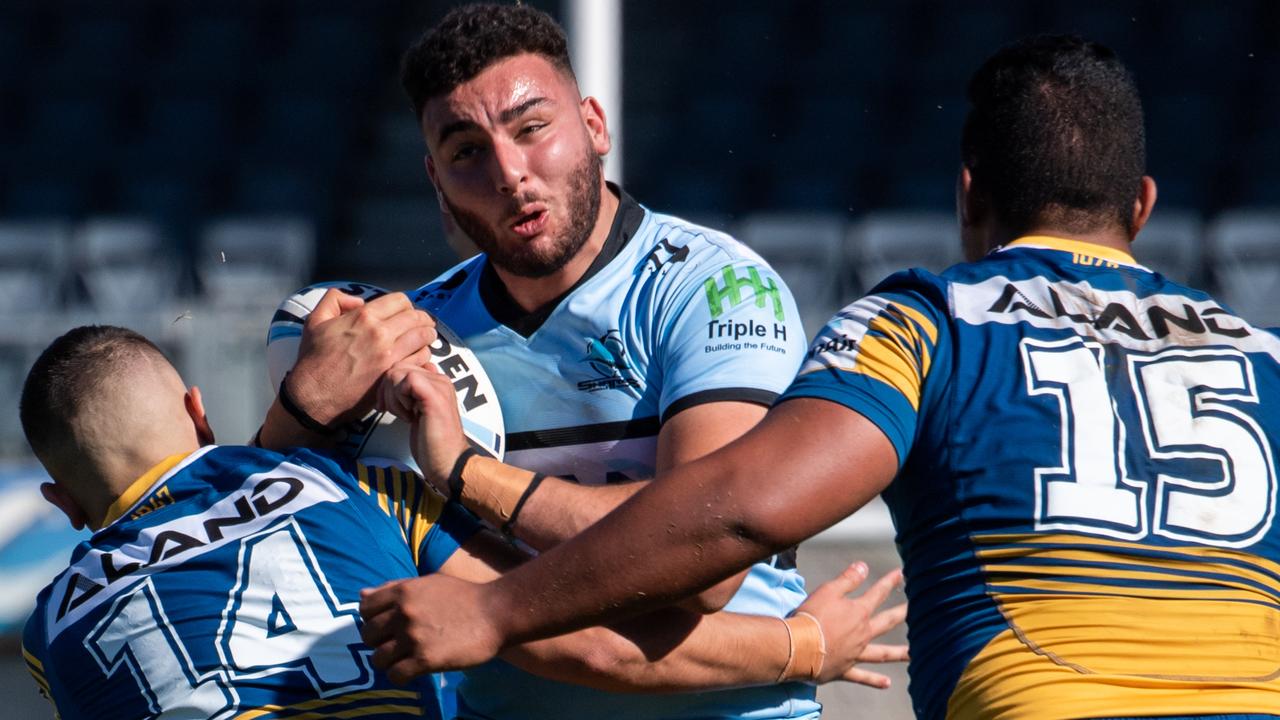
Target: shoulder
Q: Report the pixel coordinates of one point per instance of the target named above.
(670, 240)
(448, 283)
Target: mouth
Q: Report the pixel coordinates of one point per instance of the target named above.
(531, 222)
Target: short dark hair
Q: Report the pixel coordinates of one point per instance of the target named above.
(67, 372)
(473, 37)
(1055, 134)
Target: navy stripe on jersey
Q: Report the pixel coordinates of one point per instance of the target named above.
(743, 394)
(583, 434)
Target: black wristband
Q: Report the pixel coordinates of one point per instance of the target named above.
(455, 475)
(509, 526)
(300, 415)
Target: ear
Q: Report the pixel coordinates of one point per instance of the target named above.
(195, 409)
(62, 500)
(430, 164)
(597, 126)
(969, 210)
(1143, 205)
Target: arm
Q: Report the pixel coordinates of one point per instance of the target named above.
(673, 651)
(580, 582)
(347, 344)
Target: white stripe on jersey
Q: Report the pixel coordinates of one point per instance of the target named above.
(1109, 316)
(263, 498)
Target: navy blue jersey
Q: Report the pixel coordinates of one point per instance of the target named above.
(1087, 488)
(669, 316)
(226, 584)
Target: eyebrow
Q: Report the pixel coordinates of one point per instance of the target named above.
(505, 116)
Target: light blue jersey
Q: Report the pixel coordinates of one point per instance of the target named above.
(1087, 494)
(228, 582)
(669, 316)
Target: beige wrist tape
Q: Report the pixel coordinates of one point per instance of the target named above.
(808, 648)
(492, 488)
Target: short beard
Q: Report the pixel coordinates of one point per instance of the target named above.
(583, 206)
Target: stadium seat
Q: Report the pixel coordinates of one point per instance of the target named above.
(888, 241)
(399, 237)
(1171, 244)
(1245, 247)
(124, 264)
(804, 248)
(254, 261)
(33, 266)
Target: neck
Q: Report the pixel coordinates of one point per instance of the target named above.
(1113, 237)
(532, 293)
(119, 476)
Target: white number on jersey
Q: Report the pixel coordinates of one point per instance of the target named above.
(1181, 396)
(281, 616)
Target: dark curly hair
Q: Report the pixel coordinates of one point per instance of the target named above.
(473, 37)
(1055, 135)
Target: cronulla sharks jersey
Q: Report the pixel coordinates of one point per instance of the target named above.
(670, 315)
(228, 586)
(1086, 498)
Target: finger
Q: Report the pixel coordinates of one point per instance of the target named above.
(879, 592)
(878, 653)
(388, 305)
(886, 620)
(414, 340)
(379, 599)
(390, 652)
(380, 627)
(333, 303)
(405, 670)
(848, 579)
(865, 677)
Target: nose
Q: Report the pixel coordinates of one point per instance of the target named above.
(508, 169)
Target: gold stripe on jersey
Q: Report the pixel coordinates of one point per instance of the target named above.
(895, 350)
(405, 498)
(303, 710)
(1107, 627)
(138, 488)
(1082, 252)
(32, 660)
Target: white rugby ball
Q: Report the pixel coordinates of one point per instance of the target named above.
(382, 435)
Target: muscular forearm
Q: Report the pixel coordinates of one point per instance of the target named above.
(778, 485)
(554, 512)
(715, 651)
(279, 431)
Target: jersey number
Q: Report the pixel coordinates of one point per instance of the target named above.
(1189, 414)
(281, 616)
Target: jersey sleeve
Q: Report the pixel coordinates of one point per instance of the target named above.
(433, 527)
(33, 649)
(732, 333)
(876, 355)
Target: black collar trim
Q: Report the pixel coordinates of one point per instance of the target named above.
(505, 310)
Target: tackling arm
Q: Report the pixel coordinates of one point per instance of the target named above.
(581, 582)
(672, 650)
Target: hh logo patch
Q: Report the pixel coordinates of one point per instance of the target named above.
(721, 297)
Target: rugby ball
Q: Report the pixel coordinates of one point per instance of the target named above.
(382, 435)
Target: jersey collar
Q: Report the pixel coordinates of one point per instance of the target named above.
(507, 311)
(1076, 247)
(139, 488)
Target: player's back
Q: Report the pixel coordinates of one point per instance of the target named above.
(1087, 495)
(229, 583)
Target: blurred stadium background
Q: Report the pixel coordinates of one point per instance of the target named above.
(178, 166)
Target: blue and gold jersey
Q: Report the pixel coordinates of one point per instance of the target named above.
(670, 315)
(1086, 498)
(226, 584)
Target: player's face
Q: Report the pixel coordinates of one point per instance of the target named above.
(515, 158)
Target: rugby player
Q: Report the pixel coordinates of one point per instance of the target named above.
(620, 341)
(222, 580)
(1079, 454)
